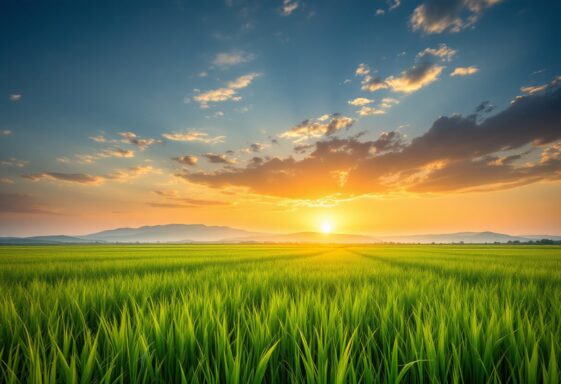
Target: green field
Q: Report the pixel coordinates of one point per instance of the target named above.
(249, 314)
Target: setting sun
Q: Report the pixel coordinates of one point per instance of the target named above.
(326, 227)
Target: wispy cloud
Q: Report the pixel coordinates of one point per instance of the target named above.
(134, 139)
(464, 71)
(436, 16)
(123, 175)
(288, 7)
(6, 132)
(443, 51)
(90, 158)
(14, 162)
(194, 136)
(366, 110)
(360, 101)
(424, 71)
(531, 89)
(228, 93)
(15, 97)
(231, 58)
(312, 128)
(79, 178)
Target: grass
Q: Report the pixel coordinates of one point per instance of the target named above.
(276, 314)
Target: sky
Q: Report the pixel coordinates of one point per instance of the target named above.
(377, 117)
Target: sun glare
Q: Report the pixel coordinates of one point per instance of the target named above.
(326, 227)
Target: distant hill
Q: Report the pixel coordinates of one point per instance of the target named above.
(309, 237)
(56, 239)
(540, 237)
(199, 233)
(170, 233)
(465, 237)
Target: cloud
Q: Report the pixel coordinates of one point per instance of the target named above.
(243, 81)
(228, 93)
(415, 78)
(360, 101)
(422, 73)
(437, 16)
(370, 111)
(257, 147)
(194, 136)
(115, 152)
(362, 70)
(373, 84)
(312, 128)
(381, 109)
(119, 175)
(531, 89)
(393, 4)
(15, 97)
(464, 71)
(380, 11)
(458, 153)
(22, 203)
(123, 175)
(6, 132)
(79, 178)
(182, 202)
(388, 102)
(140, 143)
(444, 52)
(6, 180)
(218, 158)
(288, 7)
(13, 162)
(102, 154)
(186, 160)
(216, 96)
(99, 139)
(231, 58)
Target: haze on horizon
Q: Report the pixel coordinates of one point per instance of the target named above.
(364, 117)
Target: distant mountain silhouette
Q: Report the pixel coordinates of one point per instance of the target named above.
(170, 233)
(199, 233)
(465, 237)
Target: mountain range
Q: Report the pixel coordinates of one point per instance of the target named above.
(199, 233)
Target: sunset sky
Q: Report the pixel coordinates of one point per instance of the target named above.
(380, 117)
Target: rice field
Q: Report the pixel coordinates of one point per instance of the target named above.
(278, 314)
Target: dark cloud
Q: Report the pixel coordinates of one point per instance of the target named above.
(186, 160)
(456, 153)
(256, 147)
(485, 107)
(216, 158)
(302, 148)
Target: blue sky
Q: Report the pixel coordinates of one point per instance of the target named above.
(71, 71)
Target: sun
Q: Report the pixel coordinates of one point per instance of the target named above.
(326, 227)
